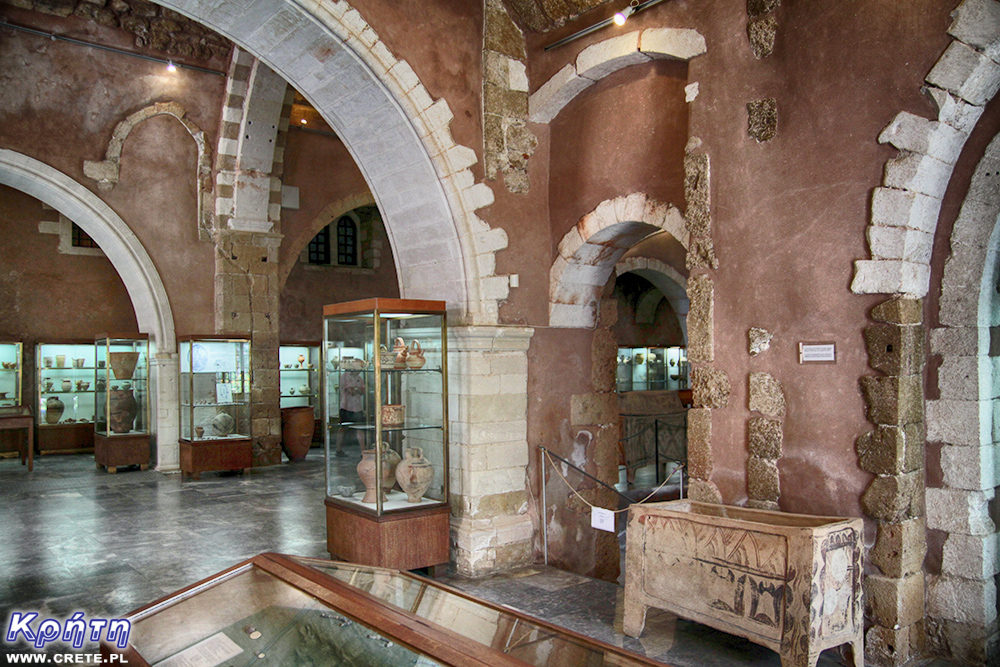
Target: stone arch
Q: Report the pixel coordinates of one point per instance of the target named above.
(105, 172)
(292, 246)
(606, 57)
(906, 207)
(668, 280)
(963, 421)
(397, 134)
(133, 264)
(589, 251)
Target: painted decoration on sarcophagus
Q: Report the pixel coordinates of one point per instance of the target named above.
(713, 570)
(835, 607)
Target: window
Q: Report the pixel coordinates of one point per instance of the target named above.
(319, 247)
(347, 242)
(81, 239)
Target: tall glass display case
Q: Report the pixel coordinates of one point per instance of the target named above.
(387, 432)
(215, 404)
(121, 398)
(65, 385)
(11, 378)
(299, 375)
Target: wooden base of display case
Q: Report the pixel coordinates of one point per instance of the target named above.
(399, 540)
(200, 456)
(59, 438)
(113, 452)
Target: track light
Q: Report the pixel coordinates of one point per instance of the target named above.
(622, 16)
(171, 67)
(634, 7)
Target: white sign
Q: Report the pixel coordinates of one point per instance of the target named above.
(817, 353)
(602, 519)
(210, 652)
(223, 393)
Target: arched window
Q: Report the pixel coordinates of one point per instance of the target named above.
(319, 247)
(347, 242)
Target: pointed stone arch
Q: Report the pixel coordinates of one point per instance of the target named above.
(670, 283)
(589, 252)
(133, 264)
(105, 172)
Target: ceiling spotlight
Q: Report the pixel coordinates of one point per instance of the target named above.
(171, 67)
(303, 121)
(622, 16)
(634, 7)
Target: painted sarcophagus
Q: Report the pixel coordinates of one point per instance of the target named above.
(790, 582)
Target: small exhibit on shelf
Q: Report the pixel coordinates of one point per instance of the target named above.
(65, 387)
(11, 378)
(215, 404)
(386, 436)
(652, 369)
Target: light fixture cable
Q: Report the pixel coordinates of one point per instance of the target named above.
(634, 8)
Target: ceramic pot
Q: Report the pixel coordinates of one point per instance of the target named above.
(302, 359)
(123, 408)
(297, 426)
(67, 385)
(399, 349)
(366, 471)
(60, 361)
(199, 431)
(53, 410)
(414, 474)
(386, 358)
(78, 363)
(3, 395)
(123, 364)
(48, 362)
(415, 357)
(393, 414)
(48, 385)
(223, 424)
(390, 459)
(304, 390)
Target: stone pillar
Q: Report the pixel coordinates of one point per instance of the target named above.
(164, 371)
(246, 304)
(894, 452)
(488, 399)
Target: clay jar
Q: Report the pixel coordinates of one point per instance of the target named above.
(414, 474)
(123, 364)
(390, 460)
(367, 470)
(53, 410)
(415, 357)
(399, 348)
(123, 409)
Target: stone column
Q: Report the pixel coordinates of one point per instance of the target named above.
(164, 370)
(488, 399)
(246, 304)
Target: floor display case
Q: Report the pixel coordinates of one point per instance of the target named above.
(215, 404)
(11, 378)
(121, 397)
(281, 610)
(65, 386)
(387, 436)
(652, 368)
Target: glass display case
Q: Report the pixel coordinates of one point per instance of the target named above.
(282, 610)
(11, 378)
(652, 368)
(65, 391)
(386, 412)
(299, 375)
(121, 399)
(215, 404)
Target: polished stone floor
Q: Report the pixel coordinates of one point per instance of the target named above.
(74, 538)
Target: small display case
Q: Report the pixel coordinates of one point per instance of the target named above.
(387, 432)
(281, 610)
(215, 404)
(121, 397)
(652, 368)
(65, 386)
(11, 377)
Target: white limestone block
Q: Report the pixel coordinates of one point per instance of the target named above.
(577, 273)
(570, 243)
(610, 55)
(919, 173)
(502, 455)
(957, 422)
(890, 277)
(908, 132)
(960, 341)
(679, 43)
(962, 600)
(691, 92)
(908, 245)
(965, 378)
(570, 315)
(977, 23)
(969, 468)
(959, 511)
(517, 75)
(974, 225)
(905, 208)
(546, 102)
(952, 110)
(513, 529)
(970, 556)
(965, 72)
(964, 268)
(404, 76)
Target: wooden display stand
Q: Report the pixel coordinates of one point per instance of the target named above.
(119, 451)
(66, 438)
(399, 540)
(216, 454)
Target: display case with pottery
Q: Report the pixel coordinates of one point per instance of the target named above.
(662, 368)
(299, 367)
(11, 378)
(121, 396)
(215, 404)
(65, 370)
(386, 407)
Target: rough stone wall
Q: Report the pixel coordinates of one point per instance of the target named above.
(762, 26)
(507, 142)
(894, 453)
(766, 397)
(544, 15)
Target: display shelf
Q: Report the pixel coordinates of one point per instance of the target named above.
(214, 404)
(65, 383)
(386, 411)
(652, 369)
(11, 375)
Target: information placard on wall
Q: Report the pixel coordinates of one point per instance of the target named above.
(817, 353)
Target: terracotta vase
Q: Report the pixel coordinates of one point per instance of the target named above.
(390, 459)
(393, 414)
(414, 474)
(123, 408)
(223, 424)
(123, 364)
(67, 385)
(297, 426)
(53, 410)
(415, 357)
(366, 471)
(399, 348)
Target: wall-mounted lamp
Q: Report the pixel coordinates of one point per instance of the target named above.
(171, 67)
(618, 19)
